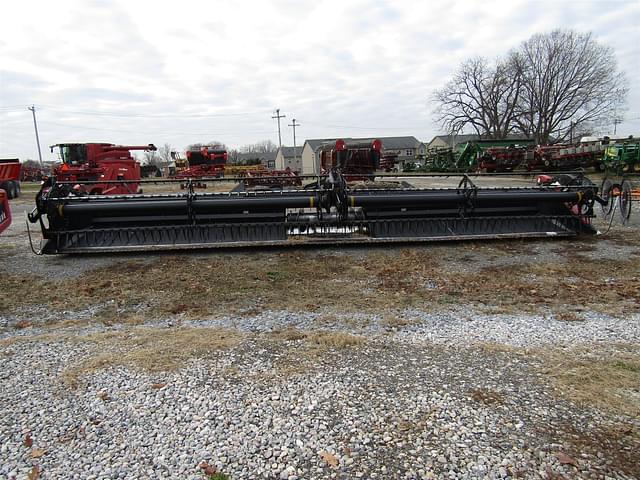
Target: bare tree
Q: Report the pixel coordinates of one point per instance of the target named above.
(264, 146)
(151, 157)
(212, 143)
(480, 96)
(552, 86)
(568, 82)
(164, 153)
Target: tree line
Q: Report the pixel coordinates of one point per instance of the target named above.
(163, 156)
(550, 88)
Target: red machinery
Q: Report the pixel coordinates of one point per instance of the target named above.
(271, 178)
(502, 158)
(99, 164)
(355, 160)
(208, 161)
(10, 176)
(31, 174)
(563, 157)
(5, 212)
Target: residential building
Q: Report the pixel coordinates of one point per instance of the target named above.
(268, 159)
(288, 157)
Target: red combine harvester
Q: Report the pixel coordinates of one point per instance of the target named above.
(208, 161)
(10, 176)
(355, 160)
(100, 164)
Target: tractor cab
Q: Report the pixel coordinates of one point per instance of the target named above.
(72, 154)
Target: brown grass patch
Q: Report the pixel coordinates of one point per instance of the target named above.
(618, 444)
(149, 349)
(319, 338)
(335, 339)
(610, 381)
(246, 284)
(488, 397)
(304, 350)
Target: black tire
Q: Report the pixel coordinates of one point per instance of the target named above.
(11, 190)
(605, 194)
(625, 201)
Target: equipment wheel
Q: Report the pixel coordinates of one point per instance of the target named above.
(625, 201)
(12, 193)
(605, 193)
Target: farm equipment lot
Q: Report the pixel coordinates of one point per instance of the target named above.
(506, 359)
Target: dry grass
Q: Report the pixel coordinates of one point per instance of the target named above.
(609, 381)
(329, 339)
(299, 352)
(149, 349)
(488, 397)
(335, 339)
(374, 282)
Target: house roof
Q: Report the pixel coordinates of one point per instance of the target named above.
(287, 152)
(388, 143)
(266, 156)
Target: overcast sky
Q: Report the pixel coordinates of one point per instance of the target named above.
(180, 72)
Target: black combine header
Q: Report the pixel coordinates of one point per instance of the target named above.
(326, 211)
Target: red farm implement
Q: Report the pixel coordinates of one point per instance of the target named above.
(10, 176)
(99, 168)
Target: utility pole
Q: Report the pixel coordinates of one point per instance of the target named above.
(294, 125)
(571, 132)
(35, 125)
(616, 122)
(278, 116)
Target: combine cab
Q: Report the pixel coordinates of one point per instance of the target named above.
(331, 212)
(99, 168)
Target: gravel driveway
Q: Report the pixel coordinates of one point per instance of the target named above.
(455, 390)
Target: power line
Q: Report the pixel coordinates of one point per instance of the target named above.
(160, 115)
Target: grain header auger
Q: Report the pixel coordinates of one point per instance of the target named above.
(327, 212)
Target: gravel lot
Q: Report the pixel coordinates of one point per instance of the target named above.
(443, 389)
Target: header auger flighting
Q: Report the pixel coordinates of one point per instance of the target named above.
(328, 211)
